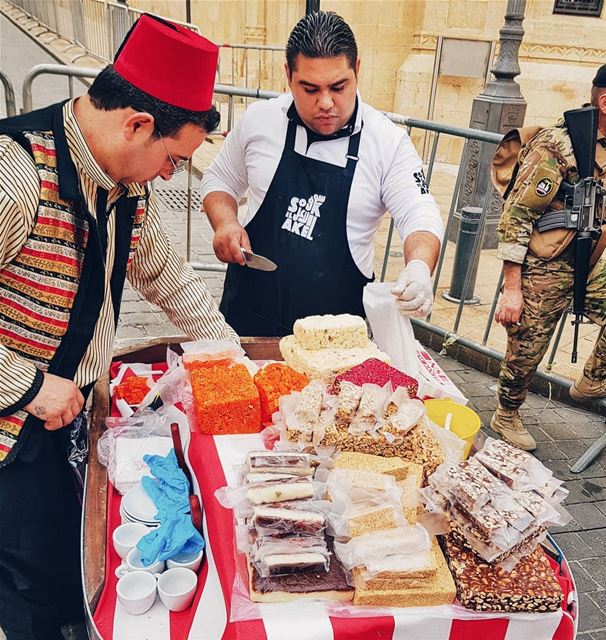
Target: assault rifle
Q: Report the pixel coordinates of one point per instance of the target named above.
(584, 207)
(587, 206)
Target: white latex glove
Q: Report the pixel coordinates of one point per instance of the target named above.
(413, 289)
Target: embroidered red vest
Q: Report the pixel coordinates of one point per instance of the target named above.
(38, 288)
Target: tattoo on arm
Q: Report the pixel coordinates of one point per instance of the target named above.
(39, 410)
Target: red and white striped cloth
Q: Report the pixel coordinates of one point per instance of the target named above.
(212, 459)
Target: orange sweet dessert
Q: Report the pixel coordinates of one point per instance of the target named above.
(274, 381)
(133, 390)
(226, 399)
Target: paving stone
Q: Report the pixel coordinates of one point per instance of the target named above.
(573, 546)
(597, 573)
(597, 635)
(583, 576)
(599, 597)
(591, 616)
(478, 390)
(538, 434)
(578, 493)
(573, 449)
(561, 470)
(482, 403)
(534, 401)
(586, 516)
(596, 540)
(560, 431)
(597, 487)
(550, 451)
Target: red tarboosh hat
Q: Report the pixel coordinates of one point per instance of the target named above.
(169, 62)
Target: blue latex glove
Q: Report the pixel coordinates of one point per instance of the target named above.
(169, 491)
(175, 535)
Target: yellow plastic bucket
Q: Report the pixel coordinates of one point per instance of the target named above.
(465, 422)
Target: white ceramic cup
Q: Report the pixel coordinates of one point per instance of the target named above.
(137, 591)
(126, 536)
(177, 588)
(132, 562)
(186, 560)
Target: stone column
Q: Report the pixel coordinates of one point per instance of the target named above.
(500, 107)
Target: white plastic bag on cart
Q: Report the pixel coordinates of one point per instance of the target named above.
(391, 331)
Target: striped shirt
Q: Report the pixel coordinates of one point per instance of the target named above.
(157, 271)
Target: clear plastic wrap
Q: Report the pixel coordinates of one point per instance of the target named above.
(243, 498)
(298, 430)
(407, 415)
(283, 556)
(361, 502)
(451, 445)
(517, 469)
(309, 404)
(407, 547)
(122, 446)
(396, 400)
(553, 491)
(326, 420)
(209, 350)
(348, 401)
(294, 463)
(370, 410)
(271, 520)
(500, 524)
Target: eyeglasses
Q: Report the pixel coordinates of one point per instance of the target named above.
(177, 166)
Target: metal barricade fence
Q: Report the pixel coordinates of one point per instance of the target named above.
(413, 126)
(252, 66)
(9, 95)
(97, 26)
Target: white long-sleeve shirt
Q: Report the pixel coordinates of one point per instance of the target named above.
(388, 176)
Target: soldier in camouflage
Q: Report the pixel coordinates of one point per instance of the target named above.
(539, 270)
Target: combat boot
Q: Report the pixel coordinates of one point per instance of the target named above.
(583, 388)
(508, 424)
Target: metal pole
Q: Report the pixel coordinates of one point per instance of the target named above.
(311, 6)
(53, 69)
(187, 10)
(9, 94)
(189, 199)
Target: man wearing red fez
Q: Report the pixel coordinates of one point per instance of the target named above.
(77, 218)
(321, 168)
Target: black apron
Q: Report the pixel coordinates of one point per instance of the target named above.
(302, 226)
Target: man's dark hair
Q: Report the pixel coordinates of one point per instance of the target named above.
(111, 91)
(322, 34)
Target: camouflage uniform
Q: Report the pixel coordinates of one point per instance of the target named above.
(547, 285)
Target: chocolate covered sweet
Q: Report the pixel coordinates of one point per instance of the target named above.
(530, 586)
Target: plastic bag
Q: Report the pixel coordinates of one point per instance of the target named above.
(216, 352)
(407, 415)
(391, 331)
(369, 414)
(516, 468)
(77, 454)
(122, 446)
(452, 446)
(408, 545)
(361, 501)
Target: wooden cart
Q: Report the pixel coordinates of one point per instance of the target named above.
(94, 524)
(464, 623)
